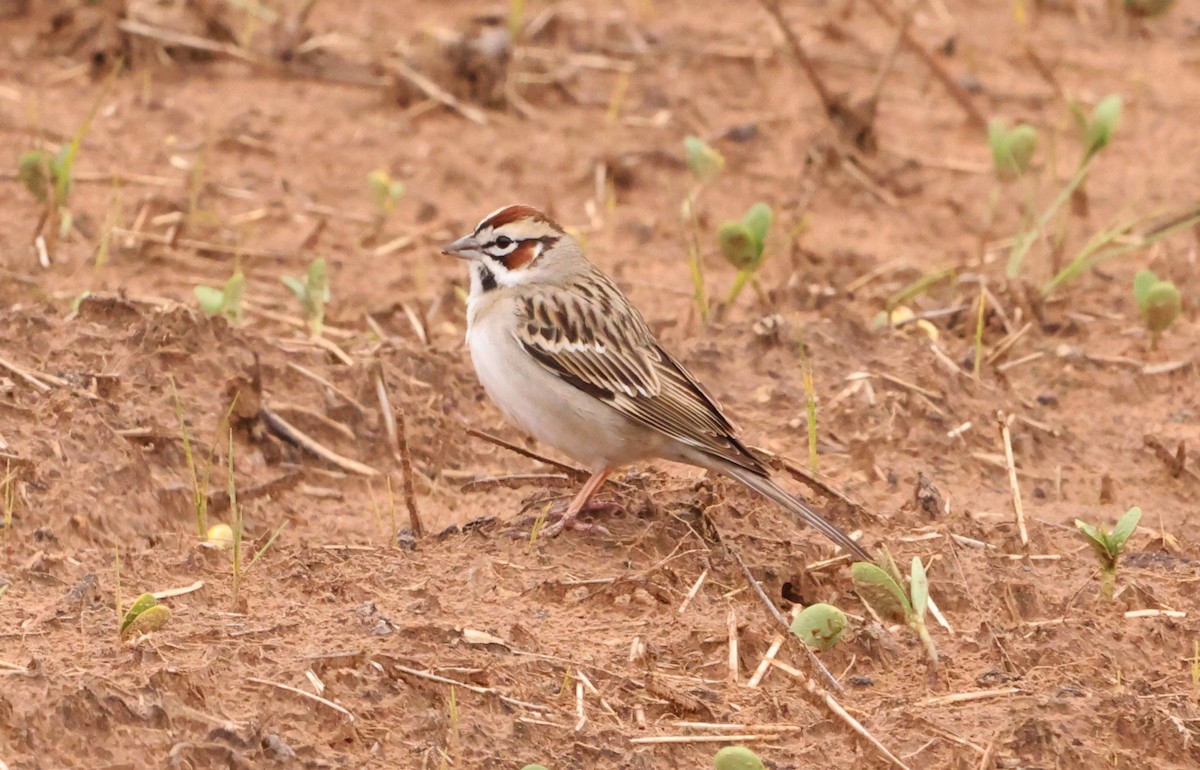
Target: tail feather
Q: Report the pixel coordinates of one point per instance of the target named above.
(772, 491)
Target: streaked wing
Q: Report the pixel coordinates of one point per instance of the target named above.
(587, 334)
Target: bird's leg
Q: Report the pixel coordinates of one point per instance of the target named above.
(568, 520)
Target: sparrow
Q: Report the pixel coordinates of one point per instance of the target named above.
(569, 360)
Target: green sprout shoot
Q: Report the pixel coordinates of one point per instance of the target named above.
(1012, 149)
(704, 163)
(385, 194)
(143, 616)
(1098, 130)
(810, 400)
(737, 758)
(820, 626)
(1159, 302)
(225, 301)
(237, 524)
(883, 593)
(1108, 546)
(742, 243)
(313, 293)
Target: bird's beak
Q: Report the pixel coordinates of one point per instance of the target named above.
(465, 247)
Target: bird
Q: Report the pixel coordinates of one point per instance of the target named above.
(569, 360)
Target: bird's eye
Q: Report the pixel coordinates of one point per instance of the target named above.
(504, 241)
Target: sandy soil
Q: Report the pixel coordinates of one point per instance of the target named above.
(469, 646)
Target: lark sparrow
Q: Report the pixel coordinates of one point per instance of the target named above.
(569, 360)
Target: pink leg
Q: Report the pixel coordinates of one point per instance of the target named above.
(578, 504)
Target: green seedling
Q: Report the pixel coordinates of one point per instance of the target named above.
(143, 616)
(810, 403)
(742, 244)
(1098, 129)
(49, 177)
(237, 524)
(1113, 242)
(1159, 301)
(705, 164)
(385, 193)
(1108, 546)
(1012, 149)
(820, 626)
(703, 161)
(883, 593)
(737, 758)
(313, 293)
(225, 301)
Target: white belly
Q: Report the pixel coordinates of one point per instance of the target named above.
(552, 411)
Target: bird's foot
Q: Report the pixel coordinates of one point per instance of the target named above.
(561, 518)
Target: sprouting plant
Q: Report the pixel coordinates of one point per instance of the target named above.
(49, 177)
(913, 289)
(704, 163)
(1098, 130)
(225, 301)
(313, 293)
(237, 525)
(199, 484)
(737, 758)
(742, 243)
(810, 403)
(1012, 149)
(1115, 241)
(534, 767)
(881, 589)
(820, 626)
(143, 616)
(1159, 301)
(1108, 546)
(385, 194)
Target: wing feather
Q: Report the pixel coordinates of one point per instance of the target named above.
(593, 339)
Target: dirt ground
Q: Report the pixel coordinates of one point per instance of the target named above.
(245, 133)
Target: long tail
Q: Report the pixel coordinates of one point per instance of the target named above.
(769, 489)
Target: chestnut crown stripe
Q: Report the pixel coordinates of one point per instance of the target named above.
(510, 214)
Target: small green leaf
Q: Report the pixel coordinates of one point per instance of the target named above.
(919, 588)
(1125, 527)
(296, 285)
(1163, 305)
(534, 767)
(1143, 280)
(140, 605)
(151, 619)
(703, 161)
(878, 589)
(737, 245)
(737, 758)
(385, 192)
(820, 626)
(33, 172)
(1102, 125)
(758, 223)
(210, 299)
(1100, 542)
(1012, 150)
